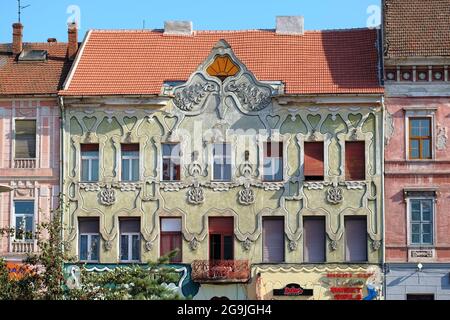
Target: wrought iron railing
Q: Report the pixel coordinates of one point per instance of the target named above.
(220, 271)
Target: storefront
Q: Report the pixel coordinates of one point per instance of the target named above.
(316, 282)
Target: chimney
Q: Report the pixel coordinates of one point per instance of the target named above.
(52, 40)
(17, 38)
(181, 28)
(72, 47)
(292, 25)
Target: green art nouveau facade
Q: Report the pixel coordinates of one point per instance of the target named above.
(214, 108)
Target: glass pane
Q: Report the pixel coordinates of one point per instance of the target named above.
(171, 224)
(279, 169)
(425, 127)
(84, 170)
(227, 172)
(83, 247)
(415, 228)
(94, 176)
(166, 172)
(415, 239)
(415, 205)
(24, 207)
(167, 149)
(426, 238)
(125, 170)
(215, 247)
(426, 149)
(415, 215)
(267, 169)
(28, 227)
(123, 247)
(414, 149)
(135, 248)
(427, 210)
(20, 227)
(135, 170)
(217, 171)
(426, 228)
(228, 247)
(94, 247)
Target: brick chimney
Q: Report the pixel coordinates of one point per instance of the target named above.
(72, 47)
(17, 38)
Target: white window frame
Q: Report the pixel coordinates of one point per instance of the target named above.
(420, 113)
(227, 156)
(130, 246)
(23, 215)
(13, 154)
(130, 165)
(90, 159)
(408, 221)
(89, 244)
(163, 157)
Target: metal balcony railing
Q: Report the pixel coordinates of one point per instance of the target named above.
(220, 271)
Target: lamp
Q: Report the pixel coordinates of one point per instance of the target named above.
(419, 266)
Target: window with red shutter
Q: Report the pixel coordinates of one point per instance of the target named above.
(171, 238)
(221, 238)
(355, 161)
(313, 164)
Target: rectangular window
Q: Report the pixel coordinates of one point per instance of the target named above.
(273, 240)
(25, 139)
(314, 239)
(355, 239)
(171, 162)
(130, 239)
(222, 162)
(421, 221)
(313, 161)
(89, 162)
(355, 160)
(221, 238)
(273, 161)
(24, 218)
(89, 241)
(130, 162)
(420, 138)
(171, 238)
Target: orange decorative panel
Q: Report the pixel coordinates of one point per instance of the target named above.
(223, 67)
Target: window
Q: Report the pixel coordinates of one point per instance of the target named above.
(355, 160)
(273, 161)
(273, 240)
(130, 162)
(421, 221)
(313, 163)
(25, 139)
(171, 238)
(89, 162)
(130, 239)
(221, 238)
(24, 215)
(171, 162)
(419, 138)
(222, 162)
(314, 239)
(89, 239)
(355, 239)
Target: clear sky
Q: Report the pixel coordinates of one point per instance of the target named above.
(48, 18)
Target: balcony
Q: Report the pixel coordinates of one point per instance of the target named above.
(224, 271)
(23, 246)
(23, 163)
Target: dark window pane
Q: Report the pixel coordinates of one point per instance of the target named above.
(25, 139)
(215, 246)
(414, 149)
(135, 247)
(83, 247)
(24, 207)
(124, 247)
(426, 149)
(125, 170)
(95, 247)
(426, 239)
(228, 247)
(415, 239)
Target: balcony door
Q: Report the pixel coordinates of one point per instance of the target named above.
(221, 239)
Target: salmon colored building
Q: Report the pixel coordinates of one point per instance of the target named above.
(417, 154)
(30, 76)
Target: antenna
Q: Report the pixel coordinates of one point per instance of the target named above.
(20, 8)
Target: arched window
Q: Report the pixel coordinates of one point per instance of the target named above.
(223, 67)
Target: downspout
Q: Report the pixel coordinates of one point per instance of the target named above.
(61, 166)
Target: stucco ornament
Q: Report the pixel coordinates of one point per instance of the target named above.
(193, 244)
(251, 97)
(195, 194)
(333, 245)
(148, 246)
(335, 195)
(246, 196)
(293, 245)
(389, 128)
(194, 94)
(247, 244)
(108, 245)
(441, 138)
(108, 196)
(376, 244)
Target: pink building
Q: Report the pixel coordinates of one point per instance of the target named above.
(30, 77)
(417, 154)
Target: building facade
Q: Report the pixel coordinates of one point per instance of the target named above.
(30, 77)
(257, 154)
(417, 159)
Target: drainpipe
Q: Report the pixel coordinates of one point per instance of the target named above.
(383, 213)
(61, 164)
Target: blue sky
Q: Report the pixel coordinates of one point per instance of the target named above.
(48, 18)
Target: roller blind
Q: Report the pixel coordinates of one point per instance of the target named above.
(221, 225)
(130, 225)
(25, 139)
(313, 159)
(356, 239)
(355, 161)
(273, 240)
(314, 239)
(88, 225)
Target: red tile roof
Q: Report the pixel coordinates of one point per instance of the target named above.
(417, 28)
(42, 78)
(138, 62)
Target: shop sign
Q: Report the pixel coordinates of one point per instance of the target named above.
(293, 290)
